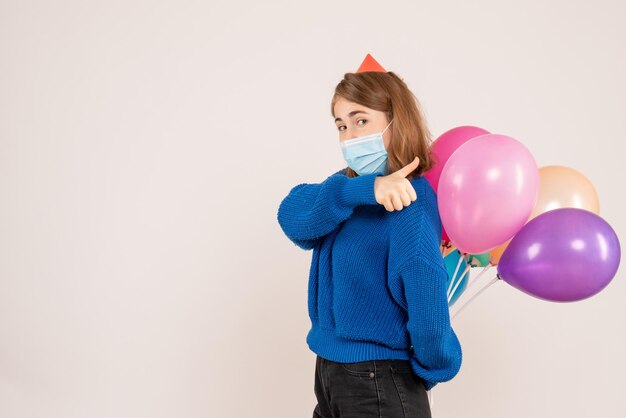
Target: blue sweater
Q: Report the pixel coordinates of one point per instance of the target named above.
(377, 284)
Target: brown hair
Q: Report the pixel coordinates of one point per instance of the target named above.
(386, 92)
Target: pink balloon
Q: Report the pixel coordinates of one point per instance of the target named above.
(487, 191)
(445, 145)
(442, 148)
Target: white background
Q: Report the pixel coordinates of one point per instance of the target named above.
(145, 147)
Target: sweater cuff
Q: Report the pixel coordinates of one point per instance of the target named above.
(359, 190)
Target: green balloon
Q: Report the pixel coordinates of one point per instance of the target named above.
(479, 260)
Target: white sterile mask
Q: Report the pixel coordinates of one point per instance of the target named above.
(366, 154)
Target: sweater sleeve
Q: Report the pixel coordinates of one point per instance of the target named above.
(419, 284)
(312, 210)
(437, 352)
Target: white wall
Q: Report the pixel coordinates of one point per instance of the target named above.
(145, 147)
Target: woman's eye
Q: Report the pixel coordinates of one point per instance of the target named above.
(360, 121)
(339, 127)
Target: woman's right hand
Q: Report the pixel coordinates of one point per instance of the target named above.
(395, 191)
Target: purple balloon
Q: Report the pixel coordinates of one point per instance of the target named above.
(562, 255)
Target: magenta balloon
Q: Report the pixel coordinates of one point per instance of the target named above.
(445, 145)
(487, 192)
(562, 255)
(442, 148)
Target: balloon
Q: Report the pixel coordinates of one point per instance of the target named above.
(487, 191)
(446, 249)
(496, 253)
(442, 148)
(478, 260)
(562, 255)
(559, 187)
(452, 266)
(445, 145)
(564, 187)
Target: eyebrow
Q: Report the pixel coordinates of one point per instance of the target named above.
(354, 112)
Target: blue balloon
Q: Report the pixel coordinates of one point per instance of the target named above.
(452, 261)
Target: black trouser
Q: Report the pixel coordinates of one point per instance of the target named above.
(374, 388)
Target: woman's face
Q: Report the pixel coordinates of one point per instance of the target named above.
(354, 120)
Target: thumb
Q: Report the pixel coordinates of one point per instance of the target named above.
(407, 169)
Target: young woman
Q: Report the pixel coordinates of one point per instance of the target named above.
(377, 284)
